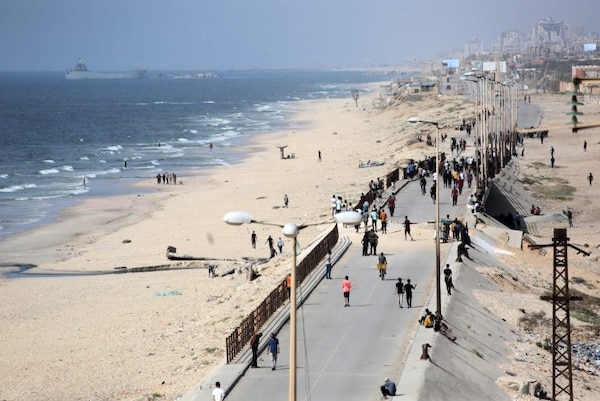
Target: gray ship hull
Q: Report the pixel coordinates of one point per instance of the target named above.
(133, 74)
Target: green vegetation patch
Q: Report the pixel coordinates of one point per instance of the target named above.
(549, 187)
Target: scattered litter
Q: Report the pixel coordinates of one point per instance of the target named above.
(167, 293)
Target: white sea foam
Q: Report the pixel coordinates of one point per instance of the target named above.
(3, 175)
(67, 168)
(182, 140)
(15, 188)
(49, 171)
(115, 148)
(48, 161)
(84, 158)
(208, 102)
(263, 108)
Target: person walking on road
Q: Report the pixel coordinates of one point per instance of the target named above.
(346, 287)
(218, 394)
(408, 289)
(328, 266)
(400, 292)
(407, 229)
(273, 350)
(448, 279)
(254, 343)
(383, 219)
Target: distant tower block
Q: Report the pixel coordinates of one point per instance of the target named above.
(355, 96)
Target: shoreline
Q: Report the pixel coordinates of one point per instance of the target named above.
(135, 207)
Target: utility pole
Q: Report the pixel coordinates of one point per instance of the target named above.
(562, 368)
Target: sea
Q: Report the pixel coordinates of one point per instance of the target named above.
(62, 141)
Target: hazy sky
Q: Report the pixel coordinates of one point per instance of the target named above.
(49, 35)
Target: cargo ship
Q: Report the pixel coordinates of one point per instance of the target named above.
(80, 71)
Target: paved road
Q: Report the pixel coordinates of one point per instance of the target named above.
(345, 353)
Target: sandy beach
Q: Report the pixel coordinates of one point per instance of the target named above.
(135, 336)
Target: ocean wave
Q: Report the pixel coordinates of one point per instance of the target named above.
(48, 161)
(49, 171)
(263, 108)
(15, 188)
(67, 168)
(84, 158)
(182, 140)
(210, 121)
(209, 102)
(3, 175)
(115, 148)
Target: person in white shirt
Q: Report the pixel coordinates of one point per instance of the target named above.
(218, 394)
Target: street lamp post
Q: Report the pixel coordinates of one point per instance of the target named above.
(438, 279)
(291, 230)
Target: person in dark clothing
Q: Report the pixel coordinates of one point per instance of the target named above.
(408, 289)
(373, 241)
(388, 388)
(448, 279)
(365, 244)
(254, 342)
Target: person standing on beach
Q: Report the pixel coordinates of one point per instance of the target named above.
(346, 287)
(286, 200)
(319, 156)
(254, 343)
(408, 289)
(273, 350)
(218, 394)
(400, 292)
(584, 145)
(590, 179)
(253, 239)
(280, 245)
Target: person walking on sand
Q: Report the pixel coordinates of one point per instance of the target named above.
(286, 200)
(590, 179)
(346, 287)
(407, 224)
(253, 239)
(584, 145)
(254, 343)
(273, 350)
(408, 289)
(218, 394)
(319, 156)
(280, 245)
(400, 292)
